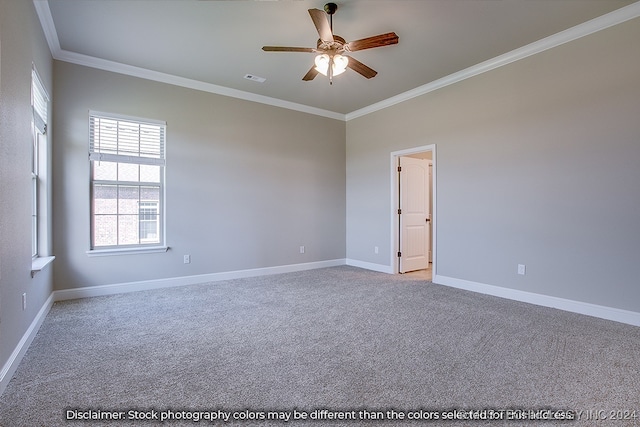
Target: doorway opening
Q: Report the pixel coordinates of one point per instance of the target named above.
(413, 207)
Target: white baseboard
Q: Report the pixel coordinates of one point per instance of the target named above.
(603, 312)
(16, 356)
(609, 313)
(94, 291)
(370, 266)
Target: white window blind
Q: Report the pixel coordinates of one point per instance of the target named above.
(114, 139)
(39, 102)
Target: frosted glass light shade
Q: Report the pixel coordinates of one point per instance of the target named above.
(322, 64)
(339, 64)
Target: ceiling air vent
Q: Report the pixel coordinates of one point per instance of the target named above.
(255, 78)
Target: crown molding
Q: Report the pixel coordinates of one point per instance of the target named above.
(616, 17)
(46, 21)
(116, 67)
(597, 24)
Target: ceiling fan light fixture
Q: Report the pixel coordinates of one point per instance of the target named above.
(329, 49)
(339, 64)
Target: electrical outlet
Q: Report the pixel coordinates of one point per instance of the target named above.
(187, 259)
(301, 249)
(522, 269)
(375, 249)
(24, 301)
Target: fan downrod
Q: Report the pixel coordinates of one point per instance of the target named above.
(330, 8)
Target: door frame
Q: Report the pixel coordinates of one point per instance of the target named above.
(395, 194)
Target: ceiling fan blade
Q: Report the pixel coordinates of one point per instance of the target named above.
(311, 74)
(319, 18)
(288, 49)
(359, 67)
(371, 42)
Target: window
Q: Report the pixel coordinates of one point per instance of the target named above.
(39, 104)
(40, 177)
(127, 182)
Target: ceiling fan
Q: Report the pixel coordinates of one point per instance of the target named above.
(331, 59)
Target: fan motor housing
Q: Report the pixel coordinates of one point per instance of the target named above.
(330, 8)
(337, 44)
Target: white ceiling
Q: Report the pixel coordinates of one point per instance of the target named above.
(213, 44)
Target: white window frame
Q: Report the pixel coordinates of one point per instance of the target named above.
(40, 177)
(39, 107)
(98, 151)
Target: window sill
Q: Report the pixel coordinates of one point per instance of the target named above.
(127, 251)
(40, 263)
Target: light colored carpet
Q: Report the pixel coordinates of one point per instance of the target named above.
(340, 339)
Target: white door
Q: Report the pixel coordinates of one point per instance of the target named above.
(414, 214)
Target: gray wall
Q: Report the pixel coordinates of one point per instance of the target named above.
(22, 44)
(538, 163)
(247, 184)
